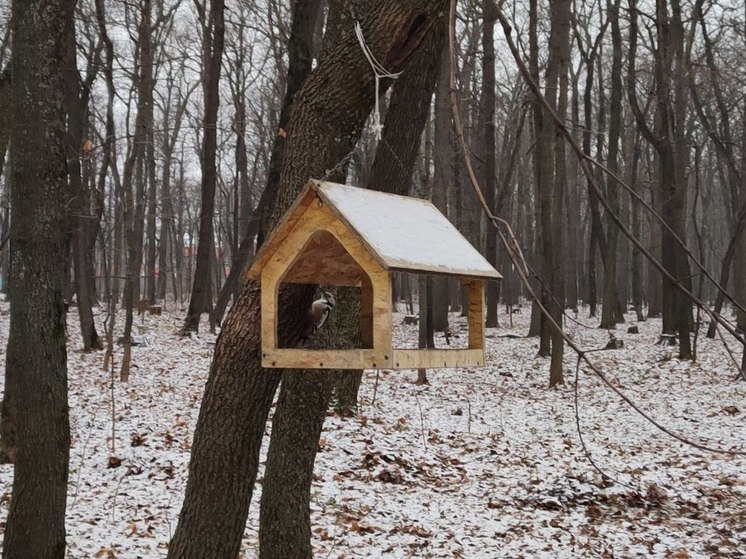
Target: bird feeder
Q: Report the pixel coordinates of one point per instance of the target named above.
(343, 235)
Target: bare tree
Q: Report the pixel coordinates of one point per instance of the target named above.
(213, 41)
(672, 58)
(82, 228)
(134, 179)
(238, 393)
(36, 358)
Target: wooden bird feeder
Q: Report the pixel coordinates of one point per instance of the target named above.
(347, 236)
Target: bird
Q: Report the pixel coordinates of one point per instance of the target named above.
(318, 313)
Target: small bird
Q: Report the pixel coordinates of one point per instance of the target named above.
(318, 313)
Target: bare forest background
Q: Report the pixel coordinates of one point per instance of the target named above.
(609, 134)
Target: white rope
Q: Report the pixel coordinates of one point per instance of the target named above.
(379, 71)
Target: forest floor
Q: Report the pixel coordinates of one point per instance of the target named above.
(482, 463)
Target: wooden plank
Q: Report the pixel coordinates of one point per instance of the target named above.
(323, 256)
(381, 308)
(366, 312)
(437, 358)
(278, 234)
(269, 291)
(325, 359)
(292, 246)
(319, 218)
(475, 290)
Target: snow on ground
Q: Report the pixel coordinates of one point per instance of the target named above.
(482, 463)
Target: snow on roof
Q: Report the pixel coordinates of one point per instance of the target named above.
(406, 233)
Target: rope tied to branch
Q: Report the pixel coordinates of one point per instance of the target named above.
(379, 72)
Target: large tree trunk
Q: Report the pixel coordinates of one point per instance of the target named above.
(36, 356)
(201, 299)
(329, 113)
(285, 524)
(285, 516)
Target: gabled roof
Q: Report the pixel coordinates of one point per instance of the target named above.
(402, 233)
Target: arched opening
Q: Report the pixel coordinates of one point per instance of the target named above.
(323, 261)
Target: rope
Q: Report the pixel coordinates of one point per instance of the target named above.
(379, 72)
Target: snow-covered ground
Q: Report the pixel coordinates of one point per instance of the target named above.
(481, 463)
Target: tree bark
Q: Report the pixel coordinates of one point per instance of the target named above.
(329, 113)
(670, 71)
(5, 105)
(396, 156)
(285, 516)
(36, 356)
(559, 47)
(287, 528)
(300, 47)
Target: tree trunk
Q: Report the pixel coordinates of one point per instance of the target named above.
(559, 47)
(285, 516)
(201, 299)
(488, 147)
(397, 153)
(300, 46)
(282, 527)
(329, 113)
(151, 253)
(134, 174)
(610, 311)
(5, 105)
(443, 179)
(79, 216)
(671, 68)
(36, 356)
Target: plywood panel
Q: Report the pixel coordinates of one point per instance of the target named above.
(475, 290)
(415, 235)
(366, 312)
(324, 260)
(381, 310)
(269, 289)
(437, 358)
(283, 229)
(325, 359)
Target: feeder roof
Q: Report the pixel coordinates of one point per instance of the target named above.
(402, 233)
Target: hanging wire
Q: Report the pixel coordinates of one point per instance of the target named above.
(379, 71)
